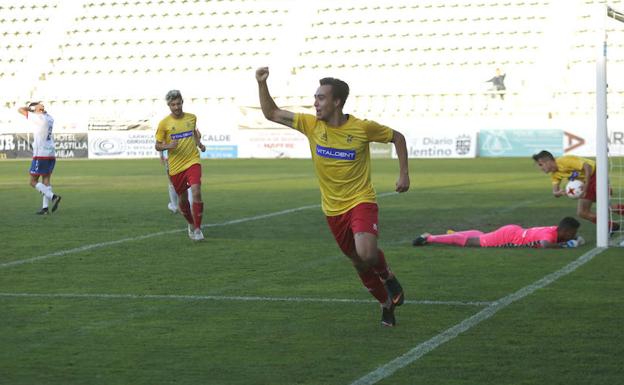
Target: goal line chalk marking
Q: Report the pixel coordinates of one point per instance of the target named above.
(417, 352)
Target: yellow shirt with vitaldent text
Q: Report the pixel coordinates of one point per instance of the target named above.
(183, 130)
(341, 159)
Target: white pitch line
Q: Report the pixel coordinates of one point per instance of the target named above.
(147, 236)
(416, 353)
(152, 235)
(229, 298)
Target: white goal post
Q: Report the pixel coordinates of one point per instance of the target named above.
(602, 141)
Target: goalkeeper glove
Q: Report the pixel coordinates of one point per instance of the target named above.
(570, 243)
(578, 241)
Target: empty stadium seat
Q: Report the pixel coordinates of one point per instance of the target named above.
(401, 58)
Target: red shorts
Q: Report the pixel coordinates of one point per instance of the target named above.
(591, 189)
(182, 181)
(362, 218)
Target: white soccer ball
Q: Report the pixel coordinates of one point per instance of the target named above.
(574, 189)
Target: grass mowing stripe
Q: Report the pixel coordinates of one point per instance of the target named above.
(85, 248)
(231, 298)
(413, 355)
(152, 235)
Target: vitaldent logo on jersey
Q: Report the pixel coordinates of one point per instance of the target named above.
(181, 135)
(333, 153)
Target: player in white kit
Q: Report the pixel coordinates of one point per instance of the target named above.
(44, 157)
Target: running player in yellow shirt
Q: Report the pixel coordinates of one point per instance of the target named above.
(570, 167)
(339, 144)
(177, 133)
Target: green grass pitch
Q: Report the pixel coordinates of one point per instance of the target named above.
(110, 290)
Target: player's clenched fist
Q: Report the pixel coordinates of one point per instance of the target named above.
(403, 184)
(262, 74)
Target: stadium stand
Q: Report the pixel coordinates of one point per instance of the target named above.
(403, 58)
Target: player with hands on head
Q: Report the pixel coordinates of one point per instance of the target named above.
(44, 155)
(339, 145)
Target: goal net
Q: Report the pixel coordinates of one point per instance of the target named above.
(610, 129)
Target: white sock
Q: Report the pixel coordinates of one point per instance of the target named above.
(50, 192)
(173, 196)
(45, 202)
(190, 196)
(44, 190)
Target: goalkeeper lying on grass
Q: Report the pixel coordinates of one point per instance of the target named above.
(563, 235)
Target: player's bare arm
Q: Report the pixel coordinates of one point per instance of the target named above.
(160, 146)
(557, 191)
(588, 173)
(198, 143)
(26, 109)
(270, 110)
(403, 183)
(23, 110)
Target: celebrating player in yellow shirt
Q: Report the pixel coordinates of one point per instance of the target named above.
(570, 167)
(178, 135)
(339, 144)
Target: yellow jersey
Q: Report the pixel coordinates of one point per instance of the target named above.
(183, 130)
(341, 159)
(571, 167)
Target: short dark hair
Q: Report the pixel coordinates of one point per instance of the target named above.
(569, 223)
(31, 105)
(543, 155)
(340, 89)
